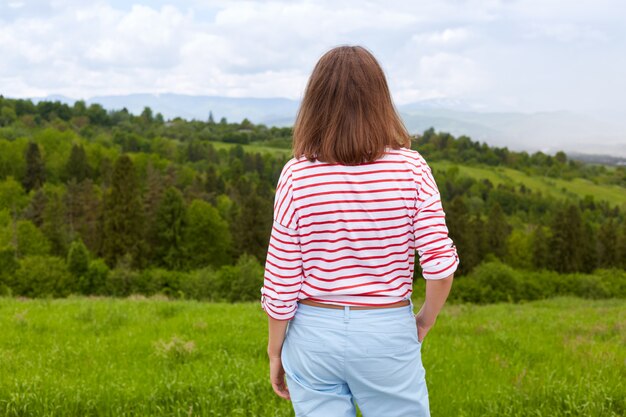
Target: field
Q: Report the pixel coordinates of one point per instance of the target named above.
(555, 187)
(116, 357)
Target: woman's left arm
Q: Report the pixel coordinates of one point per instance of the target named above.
(277, 330)
(283, 277)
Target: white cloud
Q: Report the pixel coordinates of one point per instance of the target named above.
(498, 50)
(566, 32)
(449, 36)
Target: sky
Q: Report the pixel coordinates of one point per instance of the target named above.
(497, 55)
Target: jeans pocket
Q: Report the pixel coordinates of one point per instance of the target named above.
(312, 338)
(386, 349)
(412, 328)
(311, 345)
(397, 339)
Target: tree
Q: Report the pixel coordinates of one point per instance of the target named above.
(124, 218)
(170, 225)
(457, 220)
(7, 115)
(540, 248)
(567, 235)
(77, 166)
(519, 250)
(54, 226)
(621, 246)
(208, 240)
(560, 157)
(83, 212)
(246, 124)
(35, 210)
(608, 244)
(78, 263)
(252, 219)
(499, 231)
(35, 170)
(30, 240)
(588, 249)
(478, 245)
(146, 115)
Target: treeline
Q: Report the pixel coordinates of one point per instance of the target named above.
(134, 133)
(115, 208)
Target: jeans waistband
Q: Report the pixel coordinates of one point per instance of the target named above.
(347, 312)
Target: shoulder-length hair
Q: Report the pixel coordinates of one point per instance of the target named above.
(346, 115)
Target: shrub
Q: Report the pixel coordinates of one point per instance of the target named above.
(95, 279)
(43, 275)
(494, 281)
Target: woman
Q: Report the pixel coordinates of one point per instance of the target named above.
(352, 208)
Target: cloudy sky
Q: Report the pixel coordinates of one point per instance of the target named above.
(523, 55)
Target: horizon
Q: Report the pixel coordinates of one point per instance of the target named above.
(553, 131)
(550, 60)
(530, 56)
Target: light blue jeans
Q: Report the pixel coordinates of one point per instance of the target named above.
(336, 357)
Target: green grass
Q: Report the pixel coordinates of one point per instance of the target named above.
(116, 357)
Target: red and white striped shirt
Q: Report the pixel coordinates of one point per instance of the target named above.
(348, 235)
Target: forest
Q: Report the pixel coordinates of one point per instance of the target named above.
(104, 202)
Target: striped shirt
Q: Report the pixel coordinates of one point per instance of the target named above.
(348, 235)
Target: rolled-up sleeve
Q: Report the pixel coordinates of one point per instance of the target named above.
(437, 252)
(283, 266)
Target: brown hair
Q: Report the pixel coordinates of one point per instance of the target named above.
(347, 115)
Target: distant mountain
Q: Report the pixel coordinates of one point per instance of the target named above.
(271, 111)
(545, 131)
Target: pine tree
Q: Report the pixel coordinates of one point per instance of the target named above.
(540, 248)
(478, 245)
(124, 218)
(83, 209)
(77, 166)
(35, 170)
(170, 225)
(567, 234)
(457, 221)
(588, 249)
(155, 185)
(498, 231)
(608, 244)
(621, 246)
(54, 226)
(252, 220)
(35, 210)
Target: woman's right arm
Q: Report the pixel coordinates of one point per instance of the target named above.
(437, 252)
(437, 291)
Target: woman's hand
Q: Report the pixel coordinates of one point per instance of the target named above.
(423, 326)
(277, 377)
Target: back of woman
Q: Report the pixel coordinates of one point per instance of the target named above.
(352, 208)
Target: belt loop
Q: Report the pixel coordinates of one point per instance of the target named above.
(411, 303)
(346, 313)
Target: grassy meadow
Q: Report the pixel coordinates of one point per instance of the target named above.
(117, 357)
